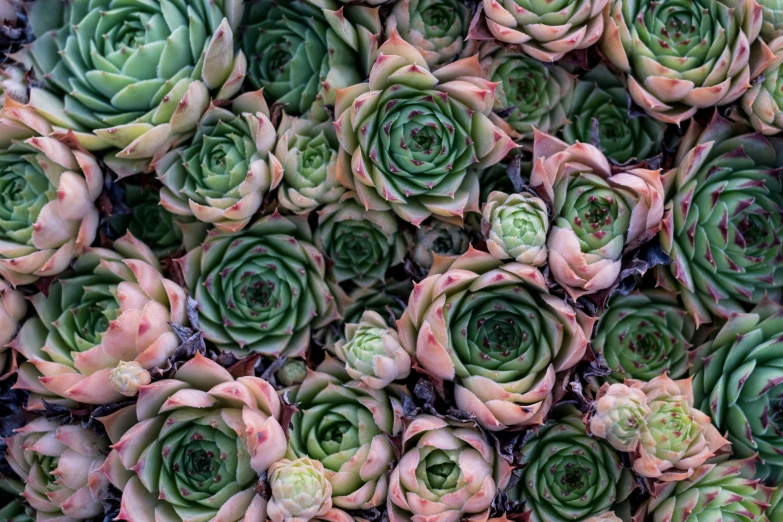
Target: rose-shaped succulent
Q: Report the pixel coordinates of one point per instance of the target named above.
(300, 491)
(723, 227)
(530, 93)
(301, 52)
(13, 309)
(362, 244)
(293, 372)
(599, 113)
(195, 445)
(437, 238)
(147, 220)
(60, 467)
(772, 19)
(309, 154)
(413, 135)
(113, 306)
(763, 102)
(677, 437)
(48, 187)
(494, 330)
(222, 176)
(682, 57)
(598, 213)
(13, 83)
(436, 28)
(446, 472)
(643, 335)
(546, 30)
(515, 227)
(129, 65)
(262, 290)
(344, 425)
(620, 416)
(724, 491)
(569, 476)
(372, 352)
(737, 382)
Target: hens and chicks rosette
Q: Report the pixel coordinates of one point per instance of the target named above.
(391, 260)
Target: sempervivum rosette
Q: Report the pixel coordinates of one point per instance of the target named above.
(643, 335)
(530, 93)
(345, 425)
(372, 352)
(113, 307)
(723, 228)
(568, 475)
(362, 244)
(262, 290)
(13, 309)
(763, 102)
(301, 51)
(309, 153)
(130, 67)
(13, 83)
(300, 492)
(447, 472)
(49, 186)
(194, 445)
(60, 466)
(436, 28)
(682, 57)
(772, 19)
(739, 382)
(223, 174)
(414, 134)
(667, 436)
(598, 214)
(725, 491)
(494, 329)
(600, 99)
(515, 227)
(546, 30)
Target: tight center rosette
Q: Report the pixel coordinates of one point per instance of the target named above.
(412, 134)
(494, 330)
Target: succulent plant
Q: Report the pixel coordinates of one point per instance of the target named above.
(515, 227)
(293, 372)
(723, 225)
(725, 491)
(546, 31)
(738, 383)
(194, 445)
(414, 135)
(388, 300)
(436, 28)
(262, 290)
(680, 58)
(599, 115)
(309, 154)
(344, 425)
(225, 172)
(13, 83)
(437, 238)
(620, 416)
(677, 437)
(775, 509)
(60, 467)
(446, 472)
(13, 309)
(127, 68)
(494, 330)
(362, 244)
(643, 335)
(763, 102)
(530, 93)
(14, 511)
(772, 19)
(609, 516)
(598, 214)
(48, 189)
(300, 491)
(372, 352)
(301, 52)
(114, 306)
(568, 475)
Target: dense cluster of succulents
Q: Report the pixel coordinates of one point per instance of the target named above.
(402, 260)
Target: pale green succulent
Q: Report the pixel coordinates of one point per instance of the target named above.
(516, 227)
